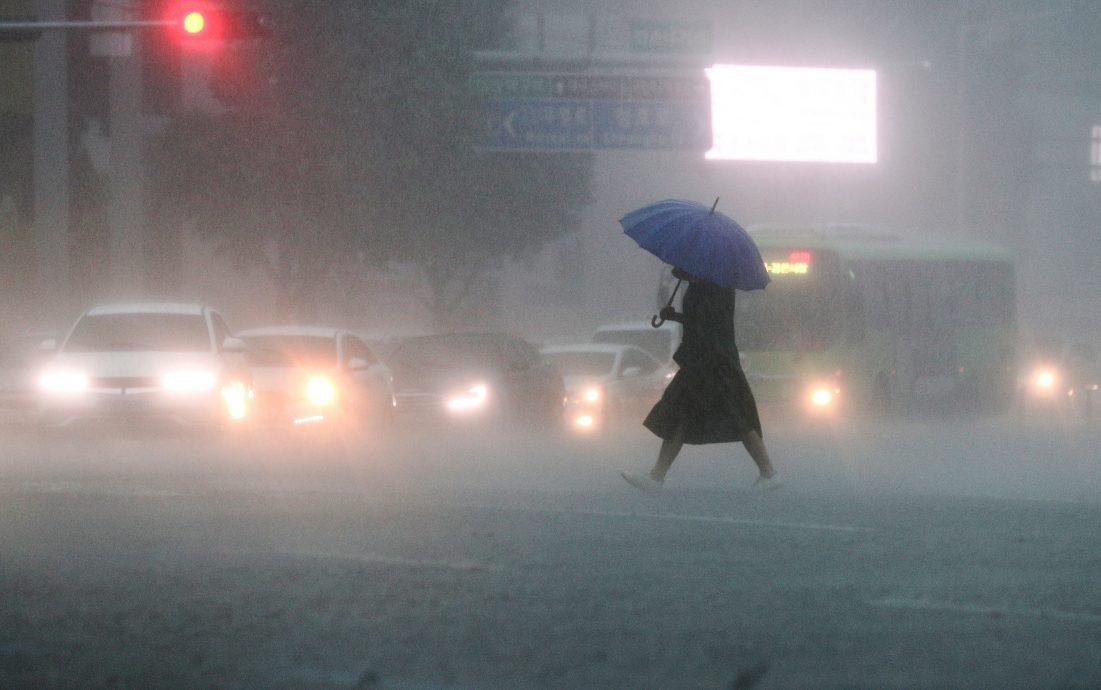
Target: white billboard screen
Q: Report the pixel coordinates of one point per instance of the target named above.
(793, 114)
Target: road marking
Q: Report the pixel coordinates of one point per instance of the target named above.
(382, 559)
(976, 609)
(79, 489)
(719, 519)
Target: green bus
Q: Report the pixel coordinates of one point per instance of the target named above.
(858, 320)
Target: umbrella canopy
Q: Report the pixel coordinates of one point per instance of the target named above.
(699, 240)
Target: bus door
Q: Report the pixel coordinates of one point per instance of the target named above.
(936, 364)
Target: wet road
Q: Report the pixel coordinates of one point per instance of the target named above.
(916, 556)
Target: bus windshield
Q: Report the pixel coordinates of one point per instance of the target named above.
(797, 311)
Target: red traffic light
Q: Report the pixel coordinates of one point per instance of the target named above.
(206, 23)
(193, 23)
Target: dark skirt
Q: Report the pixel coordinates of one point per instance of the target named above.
(709, 402)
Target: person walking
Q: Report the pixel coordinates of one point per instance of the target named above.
(709, 399)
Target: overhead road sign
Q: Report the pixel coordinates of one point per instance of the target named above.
(571, 125)
(556, 111)
(612, 87)
(671, 37)
(627, 59)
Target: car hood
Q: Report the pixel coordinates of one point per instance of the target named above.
(286, 378)
(117, 364)
(439, 379)
(575, 384)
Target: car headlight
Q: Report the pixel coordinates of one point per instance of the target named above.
(584, 421)
(1045, 379)
(63, 382)
(592, 394)
(236, 396)
(824, 396)
(320, 390)
(188, 381)
(474, 398)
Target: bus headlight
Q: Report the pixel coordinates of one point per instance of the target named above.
(1045, 379)
(821, 397)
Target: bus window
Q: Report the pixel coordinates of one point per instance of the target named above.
(797, 311)
(994, 283)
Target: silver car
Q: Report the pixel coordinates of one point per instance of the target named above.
(606, 383)
(307, 376)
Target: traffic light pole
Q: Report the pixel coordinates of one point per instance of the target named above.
(53, 291)
(126, 185)
(50, 172)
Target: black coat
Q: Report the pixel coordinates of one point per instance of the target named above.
(709, 399)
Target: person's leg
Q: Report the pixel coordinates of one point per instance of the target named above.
(666, 455)
(652, 481)
(756, 447)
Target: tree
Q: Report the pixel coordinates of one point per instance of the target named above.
(351, 135)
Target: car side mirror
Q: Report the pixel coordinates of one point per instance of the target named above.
(631, 371)
(233, 346)
(358, 364)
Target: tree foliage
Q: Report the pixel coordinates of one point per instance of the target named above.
(350, 135)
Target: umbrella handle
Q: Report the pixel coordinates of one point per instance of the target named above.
(656, 320)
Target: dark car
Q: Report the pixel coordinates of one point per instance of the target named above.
(475, 377)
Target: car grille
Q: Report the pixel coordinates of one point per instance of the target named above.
(270, 400)
(125, 382)
(418, 402)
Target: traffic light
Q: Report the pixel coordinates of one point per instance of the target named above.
(205, 23)
(194, 23)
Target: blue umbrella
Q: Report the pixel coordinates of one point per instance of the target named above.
(700, 241)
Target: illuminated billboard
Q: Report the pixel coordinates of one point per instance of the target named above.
(793, 114)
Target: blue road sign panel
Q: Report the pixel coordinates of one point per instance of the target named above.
(569, 124)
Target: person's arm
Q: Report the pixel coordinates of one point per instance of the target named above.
(669, 313)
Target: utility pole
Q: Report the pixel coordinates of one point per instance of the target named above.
(126, 187)
(117, 37)
(51, 168)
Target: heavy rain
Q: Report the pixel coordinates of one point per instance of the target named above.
(324, 352)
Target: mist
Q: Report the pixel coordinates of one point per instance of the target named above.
(967, 148)
(394, 169)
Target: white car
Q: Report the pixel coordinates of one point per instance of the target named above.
(660, 342)
(606, 383)
(138, 363)
(311, 375)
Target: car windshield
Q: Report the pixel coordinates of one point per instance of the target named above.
(140, 332)
(656, 341)
(582, 363)
(291, 350)
(446, 352)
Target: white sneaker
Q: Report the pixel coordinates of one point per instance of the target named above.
(643, 482)
(766, 484)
